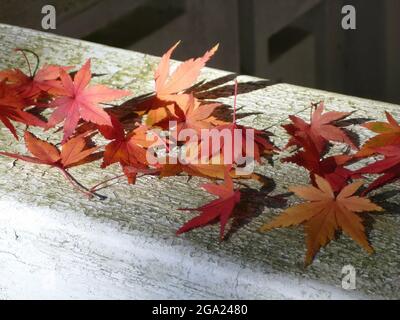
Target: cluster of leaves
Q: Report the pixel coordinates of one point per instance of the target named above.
(131, 128)
(331, 201)
(57, 97)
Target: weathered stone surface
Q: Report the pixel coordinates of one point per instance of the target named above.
(55, 243)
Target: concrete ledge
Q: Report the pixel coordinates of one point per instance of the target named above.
(56, 244)
(93, 259)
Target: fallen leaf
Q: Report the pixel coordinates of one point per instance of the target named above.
(79, 100)
(127, 149)
(331, 168)
(169, 86)
(325, 213)
(12, 109)
(76, 151)
(45, 79)
(183, 77)
(220, 208)
(389, 167)
(320, 131)
(388, 134)
(189, 113)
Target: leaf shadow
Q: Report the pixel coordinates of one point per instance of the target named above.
(204, 90)
(208, 85)
(228, 90)
(225, 113)
(381, 199)
(354, 137)
(352, 121)
(253, 205)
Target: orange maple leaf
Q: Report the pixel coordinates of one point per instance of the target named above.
(127, 149)
(388, 135)
(190, 113)
(76, 151)
(183, 77)
(169, 86)
(325, 213)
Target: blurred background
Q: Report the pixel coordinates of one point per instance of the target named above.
(295, 41)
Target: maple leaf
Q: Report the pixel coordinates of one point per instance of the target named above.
(213, 171)
(233, 139)
(79, 100)
(209, 171)
(130, 150)
(188, 161)
(168, 86)
(320, 131)
(220, 208)
(331, 168)
(175, 168)
(131, 171)
(183, 77)
(325, 213)
(12, 109)
(126, 149)
(44, 80)
(73, 153)
(389, 167)
(190, 113)
(388, 134)
(235, 142)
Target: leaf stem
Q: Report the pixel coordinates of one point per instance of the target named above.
(234, 101)
(77, 185)
(96, 187)
(27, 61)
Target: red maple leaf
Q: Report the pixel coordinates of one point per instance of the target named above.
(389, 167)
(331, 168)
(31, 86)
(127, 149)
(236, 142)
(12, 109)
(221, 208)
(79, 100)
(44, 80)
(320, 130)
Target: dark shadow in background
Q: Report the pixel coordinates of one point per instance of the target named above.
(362, 62)
(137, 24)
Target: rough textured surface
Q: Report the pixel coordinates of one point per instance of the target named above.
(121, 243)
